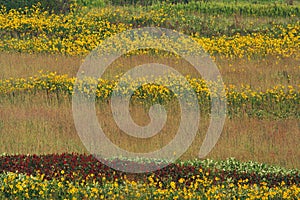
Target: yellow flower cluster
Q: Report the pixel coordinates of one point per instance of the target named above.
(79, 32)
(161, 90)
(38, 31)
(164, 86)
(27, 187)
(255, 45)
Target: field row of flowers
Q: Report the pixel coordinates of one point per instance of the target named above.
(279, 101)
(79, 32)
(82, 176)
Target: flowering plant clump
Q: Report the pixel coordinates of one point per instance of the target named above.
(80, 31)
(82, 176)
(279, 101)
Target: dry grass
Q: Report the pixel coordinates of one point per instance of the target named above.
(258, 73)
(36, 124)
(24, 65)
(39, 126)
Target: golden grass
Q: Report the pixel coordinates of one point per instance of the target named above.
(42, 126)
(24, 65)
(39, 124)
(261, 74)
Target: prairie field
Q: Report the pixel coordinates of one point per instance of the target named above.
(254, 45)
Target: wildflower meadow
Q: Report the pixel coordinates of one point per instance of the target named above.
(255, 47)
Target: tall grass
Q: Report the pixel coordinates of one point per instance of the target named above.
(39, 125)
(44, 124)
(259, 74)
